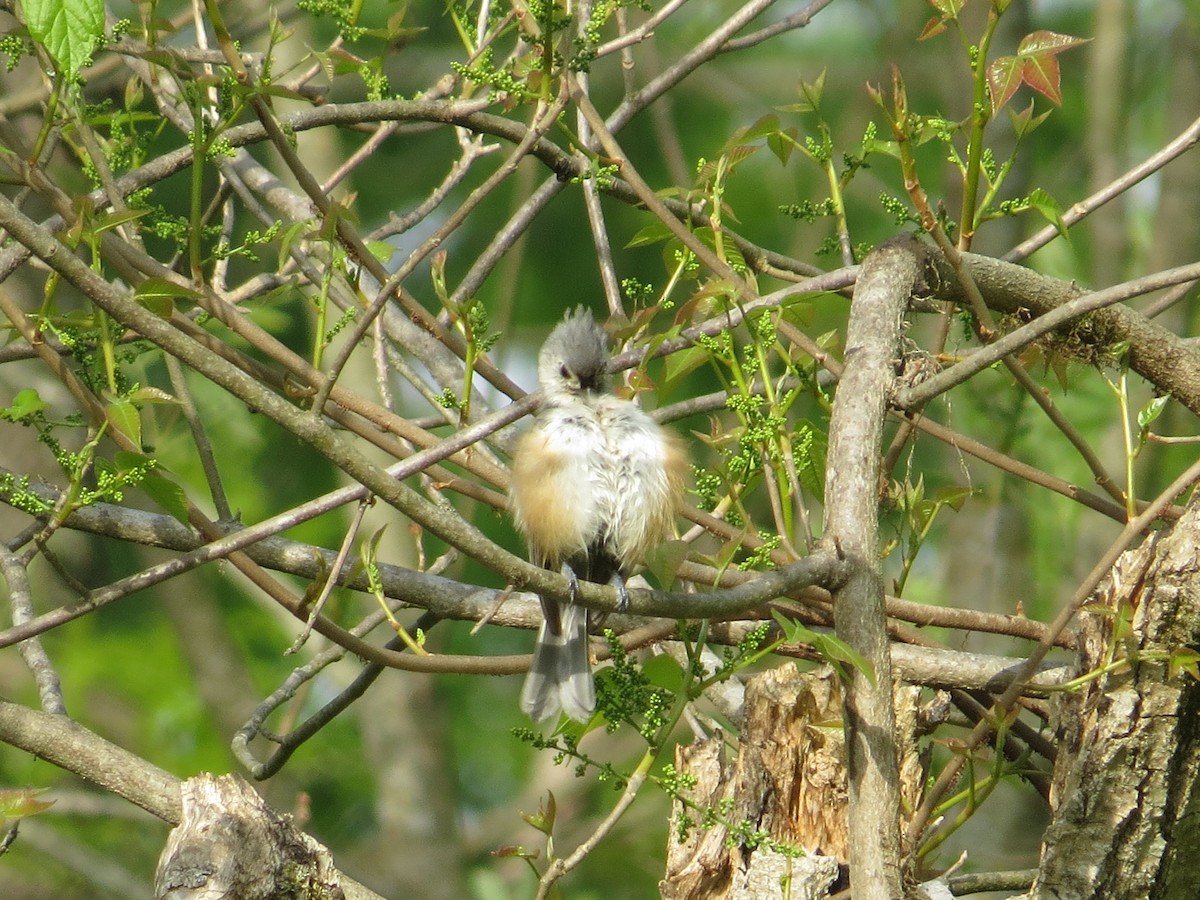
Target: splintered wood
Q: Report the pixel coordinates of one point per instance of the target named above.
(785, 790)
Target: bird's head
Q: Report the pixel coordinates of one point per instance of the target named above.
(574, 358)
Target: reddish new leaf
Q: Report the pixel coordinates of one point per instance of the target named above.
(948, 8)
(1039, 42)
(933, 27)
(1042, 74)
(1039, 51)
(1004, 77)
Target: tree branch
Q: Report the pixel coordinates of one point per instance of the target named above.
(852, 526)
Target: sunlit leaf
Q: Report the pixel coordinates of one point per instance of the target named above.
(1152, 410)
(1039, 53)
(1039, 42)
(68, 29)
(948, 8)
(16, 803)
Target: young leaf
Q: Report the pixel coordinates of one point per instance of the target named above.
(1151, 411)
(26, 403)
(782, 143)
(1024, 122)
(168, 495)
(1004, 77)
(1049, 208)
(16, 803)
(1039, 55)
(1041, 73)
(158, 295)
(126, 418)
(68, 29)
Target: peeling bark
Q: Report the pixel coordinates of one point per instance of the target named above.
(787, 784)
(230, 844)
(1128, 770)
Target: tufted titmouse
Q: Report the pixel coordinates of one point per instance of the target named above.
(595, 485)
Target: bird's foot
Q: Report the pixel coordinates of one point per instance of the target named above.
(622, 592)
(572, 581)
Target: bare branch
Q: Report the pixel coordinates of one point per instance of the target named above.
(852, 526)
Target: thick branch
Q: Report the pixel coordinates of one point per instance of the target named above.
(852, 525)
(1158, 355)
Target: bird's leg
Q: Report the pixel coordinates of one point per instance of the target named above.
(622, 593)
(572, 581)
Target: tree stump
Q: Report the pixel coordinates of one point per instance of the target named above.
(786, 786)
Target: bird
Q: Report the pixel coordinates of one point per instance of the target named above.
(595, 485)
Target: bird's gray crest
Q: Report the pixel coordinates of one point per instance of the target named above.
(579, 345)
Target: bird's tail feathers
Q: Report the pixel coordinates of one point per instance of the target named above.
(560, 679)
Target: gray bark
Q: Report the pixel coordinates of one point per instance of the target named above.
(1126, 778)
(881, 295)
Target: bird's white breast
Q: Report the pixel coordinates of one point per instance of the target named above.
(595, 470)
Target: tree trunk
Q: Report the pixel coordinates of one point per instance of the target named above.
(1125, 822)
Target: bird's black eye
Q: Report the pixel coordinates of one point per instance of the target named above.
(564, 371)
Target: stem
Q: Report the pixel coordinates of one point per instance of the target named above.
(980, 116)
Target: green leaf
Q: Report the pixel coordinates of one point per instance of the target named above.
(110, 220)
(27, 403)
(808, 453)
(664, 561)
(158, 295)
(151, 394)
(1025, 122)
(764, 127)
(167, 494)
(1185, 659)
(664, 672)
(68, 29)
(836, 652)
(651, 234)
(543, 819)
(953, 496)
(684, 362)
(126, 418)
(782, 143)
(1049, 208)
(1152, 410)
